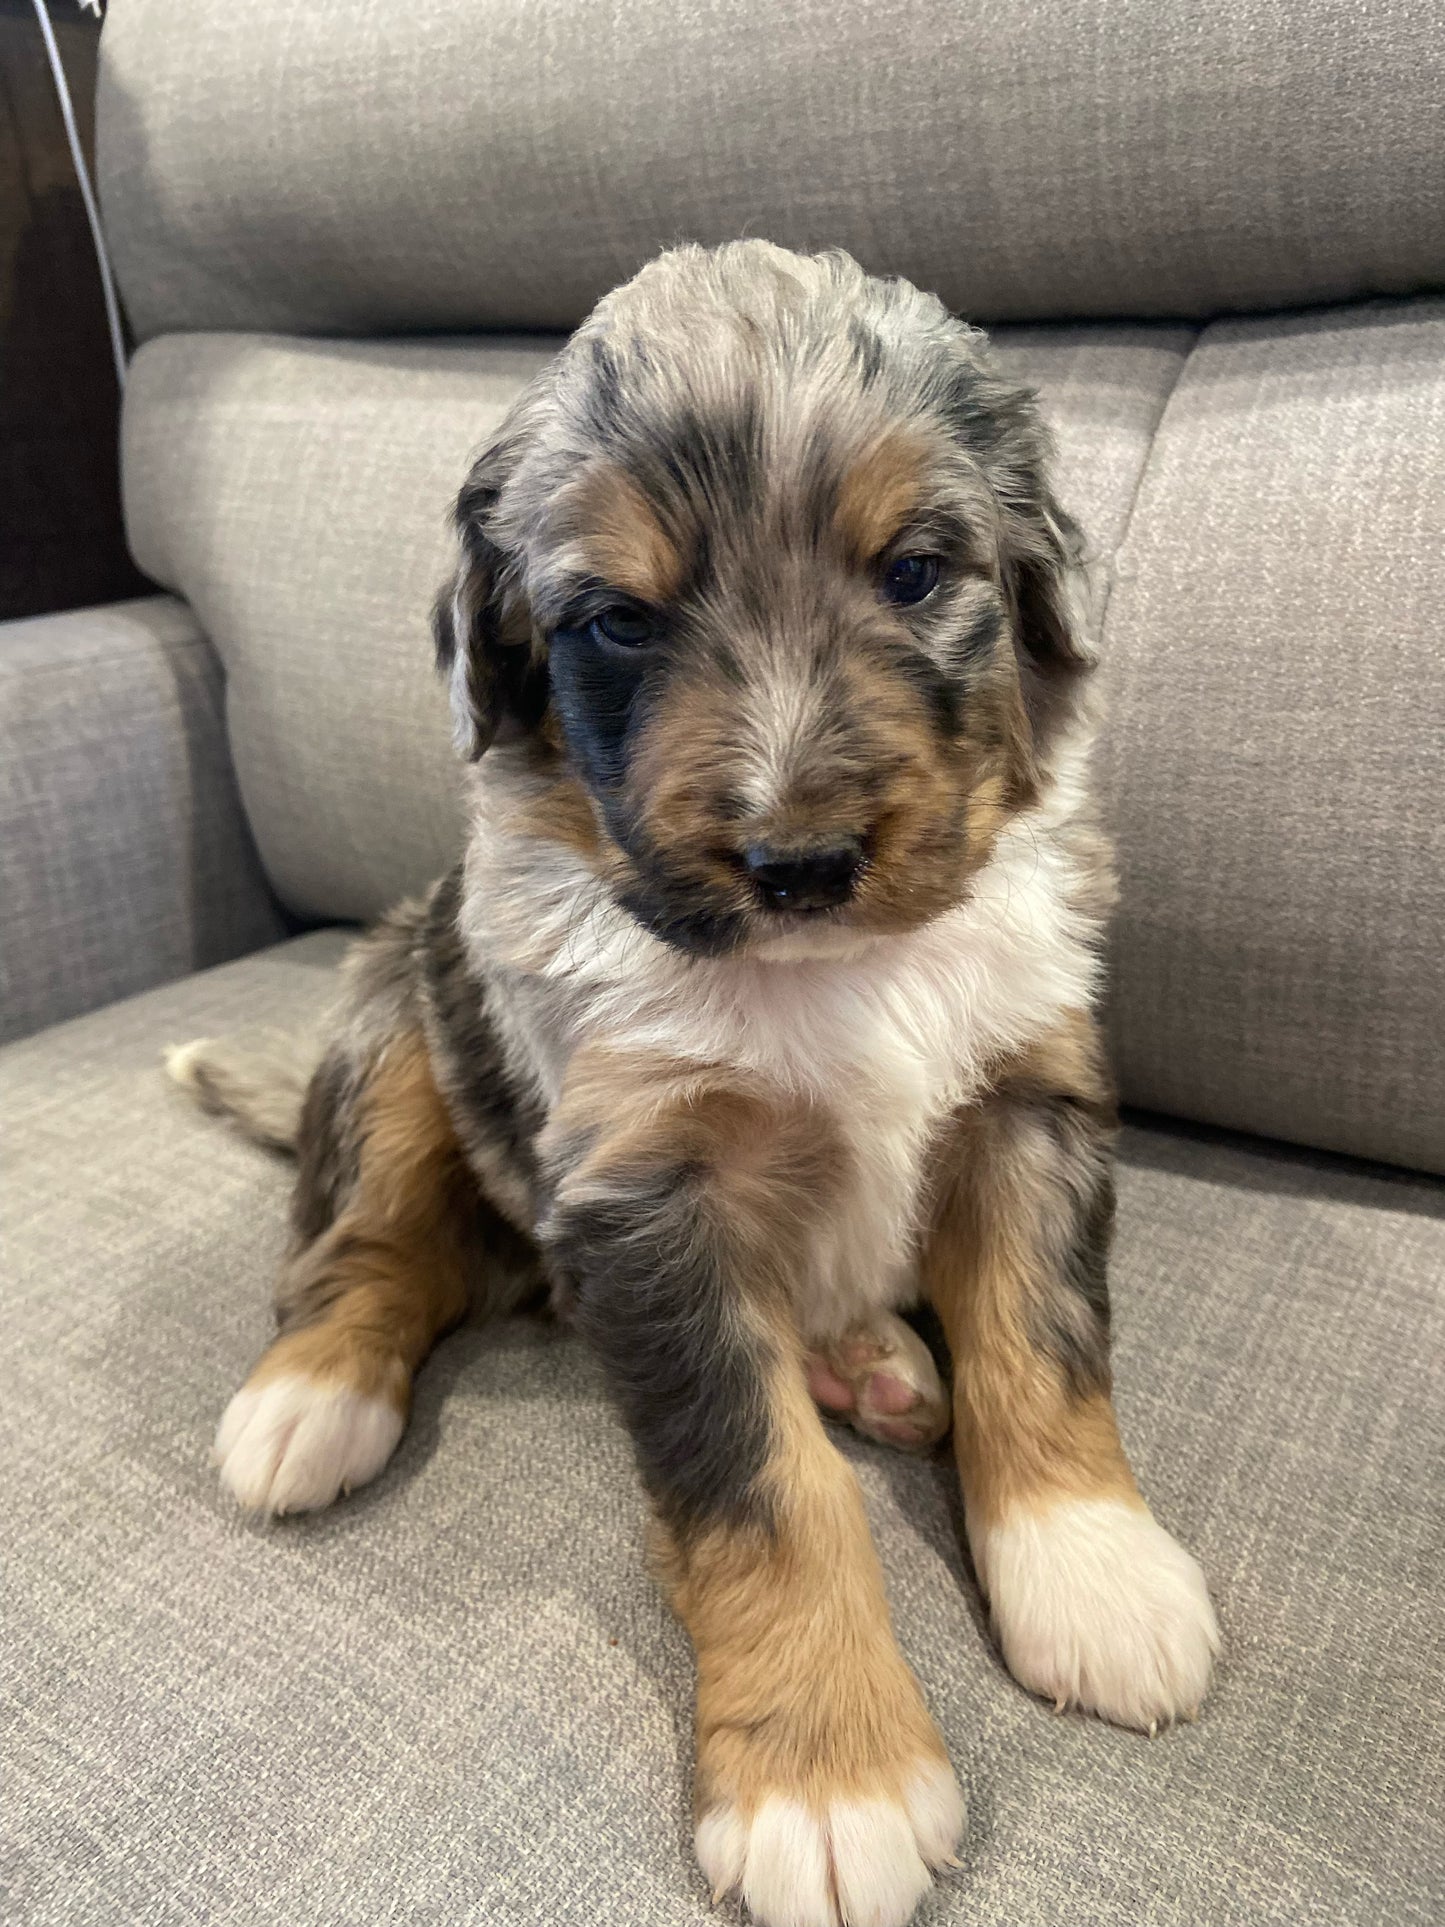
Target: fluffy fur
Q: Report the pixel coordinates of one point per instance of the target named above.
(759, 1009)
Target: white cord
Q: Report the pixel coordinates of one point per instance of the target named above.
(82, 174)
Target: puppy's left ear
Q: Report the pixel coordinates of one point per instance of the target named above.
(1047, 589)
(496, 670)
(1044, 577)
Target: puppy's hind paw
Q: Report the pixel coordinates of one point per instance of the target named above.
(882, 1378)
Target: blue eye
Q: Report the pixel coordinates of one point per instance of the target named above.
(624, 626)
(910, 579)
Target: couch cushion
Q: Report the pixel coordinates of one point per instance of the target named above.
(125, 858)
(1275, 680)
(458, 1698)
(296, 494)
(372, 167)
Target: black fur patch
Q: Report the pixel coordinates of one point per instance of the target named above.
(327, 1149)
(599, 695)
(652, 1296)
(715, 463)
(977, 408)
(675, 915)
(505, 682)
(980, 635)
(1071, 1317)
(867, 352)
(941, 694)
(478, 1084)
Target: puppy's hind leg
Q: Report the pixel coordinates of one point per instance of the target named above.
(387, 1215)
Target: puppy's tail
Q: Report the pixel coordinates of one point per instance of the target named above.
(260, 1086)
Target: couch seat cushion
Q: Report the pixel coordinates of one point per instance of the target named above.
(457, 1697)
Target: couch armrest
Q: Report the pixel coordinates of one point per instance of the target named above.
(125, 857)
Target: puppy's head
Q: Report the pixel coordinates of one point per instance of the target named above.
(768, 556)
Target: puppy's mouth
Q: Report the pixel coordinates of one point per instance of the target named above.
(766, 901)
(831, 898)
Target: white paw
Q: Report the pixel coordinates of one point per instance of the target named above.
(1096, 1606)
(293, 1443)
(845, 1863)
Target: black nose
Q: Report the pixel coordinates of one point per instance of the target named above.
(805, 879)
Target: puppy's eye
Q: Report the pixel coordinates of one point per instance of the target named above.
(624, 626)
(910, 578)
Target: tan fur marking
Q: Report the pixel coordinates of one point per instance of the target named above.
(560, 813)
(1022, 1436)
(684, 763)
(363, 1305)
(1070, 1058)
(879, 493)
(774, 1162)
(938, 812)
(625, 544)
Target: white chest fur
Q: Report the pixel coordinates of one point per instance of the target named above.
(890, 1040)
(888, 1036)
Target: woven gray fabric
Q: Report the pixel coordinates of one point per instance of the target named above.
(125, 858)
(1102, 391)
(296, 494)
(457, 1698)
(1275, 681)
(368, 168)
(300, 492)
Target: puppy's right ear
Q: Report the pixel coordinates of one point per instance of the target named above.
(486, 648)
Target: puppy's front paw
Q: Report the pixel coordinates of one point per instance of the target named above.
(824, 1799)
(292, 1441)
(842, 1860)
(1097, 1607)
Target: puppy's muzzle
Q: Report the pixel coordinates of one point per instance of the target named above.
(813, 878)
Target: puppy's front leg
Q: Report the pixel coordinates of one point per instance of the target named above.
(683, 1206)
(379, 1270)
(1094, 1604)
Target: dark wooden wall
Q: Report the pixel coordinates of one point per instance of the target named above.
(61, 542)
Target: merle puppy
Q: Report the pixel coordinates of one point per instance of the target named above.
(760, 1008)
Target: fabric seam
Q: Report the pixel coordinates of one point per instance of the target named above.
(1134, 494)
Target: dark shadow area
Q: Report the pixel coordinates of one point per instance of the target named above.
(62, 541)
(1152, 1142)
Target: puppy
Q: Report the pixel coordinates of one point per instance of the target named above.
(760, 1007)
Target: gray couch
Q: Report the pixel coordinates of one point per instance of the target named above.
(457, 1698)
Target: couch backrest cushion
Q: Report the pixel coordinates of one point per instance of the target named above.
(1274, 650)
(1275, 675)
(375, 167)
(297, 494)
